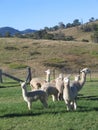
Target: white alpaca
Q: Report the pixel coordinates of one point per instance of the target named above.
(36, 83)
(32, 96)
(80, 83)
(60, 86)
(69, 95)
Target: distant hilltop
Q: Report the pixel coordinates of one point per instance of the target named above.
(12, 31)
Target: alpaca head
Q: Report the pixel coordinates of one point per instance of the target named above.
(61, 76)
(85, 70)
(48, 71)
(66, 80)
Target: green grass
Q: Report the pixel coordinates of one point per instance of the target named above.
(14, 114)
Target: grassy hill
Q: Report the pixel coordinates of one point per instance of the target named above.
(77, 33)
(68, 56)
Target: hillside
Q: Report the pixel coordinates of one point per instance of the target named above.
(66, 56)
(77, 33)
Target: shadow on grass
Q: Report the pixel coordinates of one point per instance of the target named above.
(30, 113)
(20, 115)
(50, 111)
(88, 97)
(86, 109)
(9, 84)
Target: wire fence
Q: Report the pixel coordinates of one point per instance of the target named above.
(23, 74)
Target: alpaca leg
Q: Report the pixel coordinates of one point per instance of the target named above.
(75, 105)
(72, 105)
(56, 97)
(44, 102)
(29, 105)
(60, 97)
(53, 98)
(68, 105)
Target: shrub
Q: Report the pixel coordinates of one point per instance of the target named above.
(34, 53)
(85, 40)
(55, 62)
(17, 66)
(11, 48)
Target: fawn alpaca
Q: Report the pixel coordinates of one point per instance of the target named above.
(32, 96)
(50, 89)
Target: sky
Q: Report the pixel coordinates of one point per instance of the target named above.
(38, 14)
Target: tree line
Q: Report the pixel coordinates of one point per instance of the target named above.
(46, 32)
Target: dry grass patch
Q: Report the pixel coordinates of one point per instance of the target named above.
(43, 54)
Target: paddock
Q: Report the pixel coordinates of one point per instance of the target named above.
(15, 115)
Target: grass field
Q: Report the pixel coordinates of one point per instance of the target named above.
(14, 114)
(16, 54)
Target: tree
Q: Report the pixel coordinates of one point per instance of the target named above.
(46, 28)
(68, 25)
(91, 19)
(76, 22)
(61, 25)
(56, 27)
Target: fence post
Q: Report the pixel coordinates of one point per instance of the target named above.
(1, 80)
(29, 75)
(53, 73)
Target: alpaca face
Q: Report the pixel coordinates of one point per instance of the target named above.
(86, 70)
(66, 80)
(61, 76)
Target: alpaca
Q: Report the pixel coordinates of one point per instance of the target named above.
(36, 83)
(80, 83)
(69, 95)
(55, 88)
(50, 89)
(32, 96)
(60, 86)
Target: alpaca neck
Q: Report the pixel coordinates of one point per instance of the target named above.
(67, 89)
(83, 79)
(48, 78)
(24, 92)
